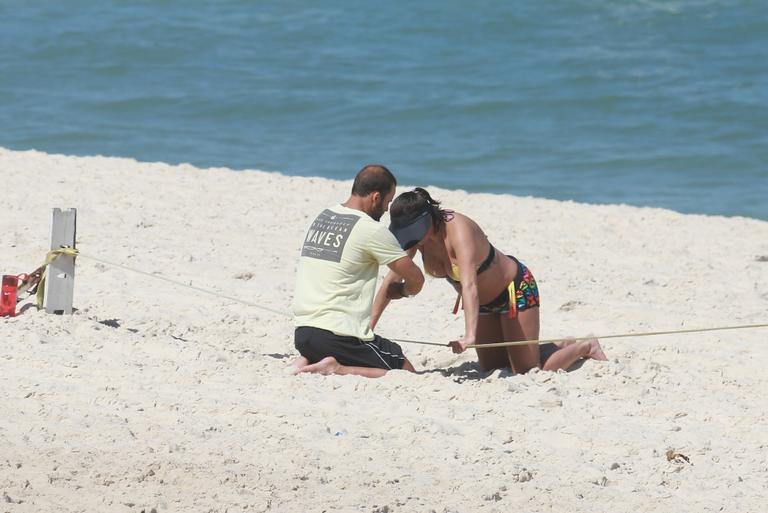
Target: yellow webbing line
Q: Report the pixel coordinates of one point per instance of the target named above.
(599, 337)
(67, 251)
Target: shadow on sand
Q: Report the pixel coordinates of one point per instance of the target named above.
(467, 371)
(471, 371)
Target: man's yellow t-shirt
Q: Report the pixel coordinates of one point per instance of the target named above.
(338, 268)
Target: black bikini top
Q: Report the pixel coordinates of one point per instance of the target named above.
(454, 276)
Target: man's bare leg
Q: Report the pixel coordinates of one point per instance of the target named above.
(571, 351)
(329, 365)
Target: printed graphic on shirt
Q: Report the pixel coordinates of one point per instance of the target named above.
(327, 236)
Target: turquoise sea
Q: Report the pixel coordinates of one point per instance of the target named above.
(660, 103)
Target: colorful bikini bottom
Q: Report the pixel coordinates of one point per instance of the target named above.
(520, 295)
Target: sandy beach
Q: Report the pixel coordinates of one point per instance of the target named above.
(156, 397)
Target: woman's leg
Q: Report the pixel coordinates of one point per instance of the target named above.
(571, 351)
(489, 331)
(523, 327)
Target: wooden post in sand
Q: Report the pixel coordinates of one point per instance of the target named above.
(60, 281)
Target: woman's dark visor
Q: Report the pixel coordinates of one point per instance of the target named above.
(409, 232)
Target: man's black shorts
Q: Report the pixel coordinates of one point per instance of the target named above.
(314, 344)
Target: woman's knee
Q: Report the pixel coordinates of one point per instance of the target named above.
(524, 358)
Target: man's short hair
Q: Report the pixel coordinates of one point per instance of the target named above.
(373, 178)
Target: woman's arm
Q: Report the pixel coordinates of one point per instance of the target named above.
(471, 312)
(469, 298)
(463, 243)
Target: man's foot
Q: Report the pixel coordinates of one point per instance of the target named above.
(296, 366)
(326, 366)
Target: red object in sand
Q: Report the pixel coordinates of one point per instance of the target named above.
(8, 295)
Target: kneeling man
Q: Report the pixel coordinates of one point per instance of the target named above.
(336, 283)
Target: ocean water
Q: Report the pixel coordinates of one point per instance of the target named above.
(659, 103)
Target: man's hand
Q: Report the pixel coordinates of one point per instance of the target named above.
(396, 290)
(459, 346)
(406, 270)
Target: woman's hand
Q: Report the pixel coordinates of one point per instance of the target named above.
(459, 346)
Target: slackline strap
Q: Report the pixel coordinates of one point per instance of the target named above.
(601, 337)
(53, 254)
(182, 284)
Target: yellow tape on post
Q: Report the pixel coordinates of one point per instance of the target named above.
(50, 257)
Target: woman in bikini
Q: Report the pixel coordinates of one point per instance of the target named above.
(499, 294)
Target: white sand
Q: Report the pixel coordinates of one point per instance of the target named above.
(186, 406)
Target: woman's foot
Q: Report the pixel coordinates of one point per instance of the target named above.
(595, 350)
(589, 348)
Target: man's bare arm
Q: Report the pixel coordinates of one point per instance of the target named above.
(382, 298)
(393, 286)
(410, 273)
